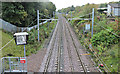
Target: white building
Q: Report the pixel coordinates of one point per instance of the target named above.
(113, 9)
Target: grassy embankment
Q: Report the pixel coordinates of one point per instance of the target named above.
(32, 47)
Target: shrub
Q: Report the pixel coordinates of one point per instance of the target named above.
(104, 38)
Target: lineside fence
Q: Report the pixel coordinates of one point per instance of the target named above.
(13, 29)
(13, 64)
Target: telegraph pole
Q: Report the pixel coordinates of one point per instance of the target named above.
(92, 21)
(38, 23)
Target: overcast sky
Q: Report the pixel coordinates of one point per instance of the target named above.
(66, 3)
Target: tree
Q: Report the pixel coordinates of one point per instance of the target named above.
(72, 8)
(50, 7)
(103, 5)
(46, 12)
(24, 13)
(13, 12)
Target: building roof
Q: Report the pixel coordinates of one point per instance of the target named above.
(21, 33)
(105, 8)
(115, 5)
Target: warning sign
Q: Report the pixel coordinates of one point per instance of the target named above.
(22, 60)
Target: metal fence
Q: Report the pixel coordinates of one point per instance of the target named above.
(13, 29)
(13, 64)
(0, 66)
(7, 26)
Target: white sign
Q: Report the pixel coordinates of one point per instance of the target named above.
(21, 38)
(87, 27)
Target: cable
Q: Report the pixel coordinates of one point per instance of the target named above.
(108, 30)
(32, 23)
(82, 16)
(104, 64)
(6, 44)
(100, 60)
(85, 15)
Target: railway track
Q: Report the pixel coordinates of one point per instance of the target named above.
(63, 53)
(82, 67)
(86, 63)
(53, 58)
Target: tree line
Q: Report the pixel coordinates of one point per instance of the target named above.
(67, 10)
(23, 14)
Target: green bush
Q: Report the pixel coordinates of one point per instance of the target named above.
(104, 38)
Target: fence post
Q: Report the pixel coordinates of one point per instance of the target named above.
(10, 64)
(1, 66)
(92, 21)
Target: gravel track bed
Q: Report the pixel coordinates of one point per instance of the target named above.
(63, 53)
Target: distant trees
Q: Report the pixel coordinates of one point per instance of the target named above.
(80, 10)
(72, 8)
(66, 10)
(23, 13)
(103, 5)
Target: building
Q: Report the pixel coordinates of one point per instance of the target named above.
(113, 9)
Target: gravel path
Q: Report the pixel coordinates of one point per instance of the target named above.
(35, 60)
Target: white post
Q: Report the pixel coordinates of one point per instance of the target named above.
(92, 21)
(1, 66)
(10, 64)
(38, 23)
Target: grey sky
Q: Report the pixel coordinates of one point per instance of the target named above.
(66, 3)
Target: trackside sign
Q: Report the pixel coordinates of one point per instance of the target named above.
(22, 60)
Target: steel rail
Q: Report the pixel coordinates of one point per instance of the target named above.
(69, 52)
(77, 51)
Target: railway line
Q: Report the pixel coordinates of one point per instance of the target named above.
(63, 52)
